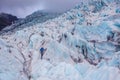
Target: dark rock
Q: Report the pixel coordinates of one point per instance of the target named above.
(6, 19)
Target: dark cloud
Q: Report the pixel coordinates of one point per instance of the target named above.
(22, 8)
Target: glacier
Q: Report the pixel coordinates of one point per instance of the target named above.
(82, 44)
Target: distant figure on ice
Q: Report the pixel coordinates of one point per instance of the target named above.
(42, 51)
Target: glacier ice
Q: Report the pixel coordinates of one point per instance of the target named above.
(81, 45)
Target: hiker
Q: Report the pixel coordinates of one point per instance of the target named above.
(42, 51)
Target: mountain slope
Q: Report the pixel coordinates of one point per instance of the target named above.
(6, 20)
(82, 44)
(30, 20)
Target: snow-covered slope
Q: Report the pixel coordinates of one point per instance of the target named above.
(82, 44)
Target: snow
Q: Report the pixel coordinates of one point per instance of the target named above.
(80, 45)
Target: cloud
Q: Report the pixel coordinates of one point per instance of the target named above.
(21, 8)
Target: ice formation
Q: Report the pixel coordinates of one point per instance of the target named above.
(82, 44)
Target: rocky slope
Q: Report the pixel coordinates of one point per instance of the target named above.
(6, 20)
(82, 44)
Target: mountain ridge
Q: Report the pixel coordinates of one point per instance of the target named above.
(32, 19)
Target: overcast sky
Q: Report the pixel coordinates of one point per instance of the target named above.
(21, 8)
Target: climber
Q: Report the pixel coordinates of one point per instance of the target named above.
(42, 51)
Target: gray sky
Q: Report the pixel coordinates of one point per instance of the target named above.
(21, 8)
